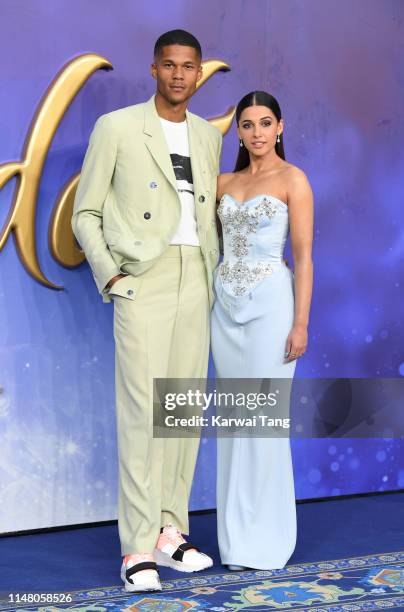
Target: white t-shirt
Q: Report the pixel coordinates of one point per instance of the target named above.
(176, 135)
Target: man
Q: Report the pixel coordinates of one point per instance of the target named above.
(144, 215)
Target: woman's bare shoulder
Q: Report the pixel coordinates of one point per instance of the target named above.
(294, 176)
(298, 187)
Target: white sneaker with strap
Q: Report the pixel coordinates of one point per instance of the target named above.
(172, 550)
(140, 574)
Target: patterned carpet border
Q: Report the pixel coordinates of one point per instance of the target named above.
(355, 584)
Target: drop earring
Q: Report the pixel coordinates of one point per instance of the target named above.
(241, 143)
(278, 138)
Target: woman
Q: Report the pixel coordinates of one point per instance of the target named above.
(259, 328)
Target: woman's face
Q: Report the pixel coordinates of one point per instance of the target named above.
(258, 128)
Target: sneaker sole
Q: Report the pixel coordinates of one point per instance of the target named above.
(165, 560)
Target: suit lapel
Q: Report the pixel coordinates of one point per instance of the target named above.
(156, 142)
(157, 145)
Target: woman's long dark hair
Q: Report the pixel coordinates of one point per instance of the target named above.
(257, 98)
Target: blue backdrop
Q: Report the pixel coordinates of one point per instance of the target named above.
(337, 68)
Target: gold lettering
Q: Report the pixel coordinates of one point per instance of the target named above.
(223, 122)
(57, 98)
(62, 243)
(210, 67)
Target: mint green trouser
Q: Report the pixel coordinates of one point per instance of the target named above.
(161, 330)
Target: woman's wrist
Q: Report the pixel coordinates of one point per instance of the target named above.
(300, 325)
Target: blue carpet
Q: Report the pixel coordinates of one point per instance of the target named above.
(84, 559)
(359, 583)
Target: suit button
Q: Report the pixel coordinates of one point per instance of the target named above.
(201, 198)
(147, 215)
(129, 292)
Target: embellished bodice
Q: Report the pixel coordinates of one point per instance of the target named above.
(254, 236)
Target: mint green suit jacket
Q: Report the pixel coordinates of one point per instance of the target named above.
(127, 207)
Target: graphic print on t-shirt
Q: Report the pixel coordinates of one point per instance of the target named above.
(176, 136)
(183, 172)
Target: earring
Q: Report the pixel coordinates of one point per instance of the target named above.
(241, 143)
(278, 138)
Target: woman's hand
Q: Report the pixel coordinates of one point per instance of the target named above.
(296, 343)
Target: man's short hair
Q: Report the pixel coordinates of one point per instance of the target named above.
(177, 37)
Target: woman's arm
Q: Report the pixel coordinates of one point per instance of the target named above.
(300, 202)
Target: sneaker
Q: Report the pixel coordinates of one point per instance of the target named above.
(172, 550)
(139, 573)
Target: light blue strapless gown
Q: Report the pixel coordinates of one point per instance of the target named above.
(251, 318)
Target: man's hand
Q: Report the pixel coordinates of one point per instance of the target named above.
(113, 280)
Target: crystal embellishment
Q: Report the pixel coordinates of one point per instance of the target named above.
(242, 275)
(239, 244)
(245, 219)
(238, 223)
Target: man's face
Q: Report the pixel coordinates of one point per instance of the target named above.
(177, 70)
